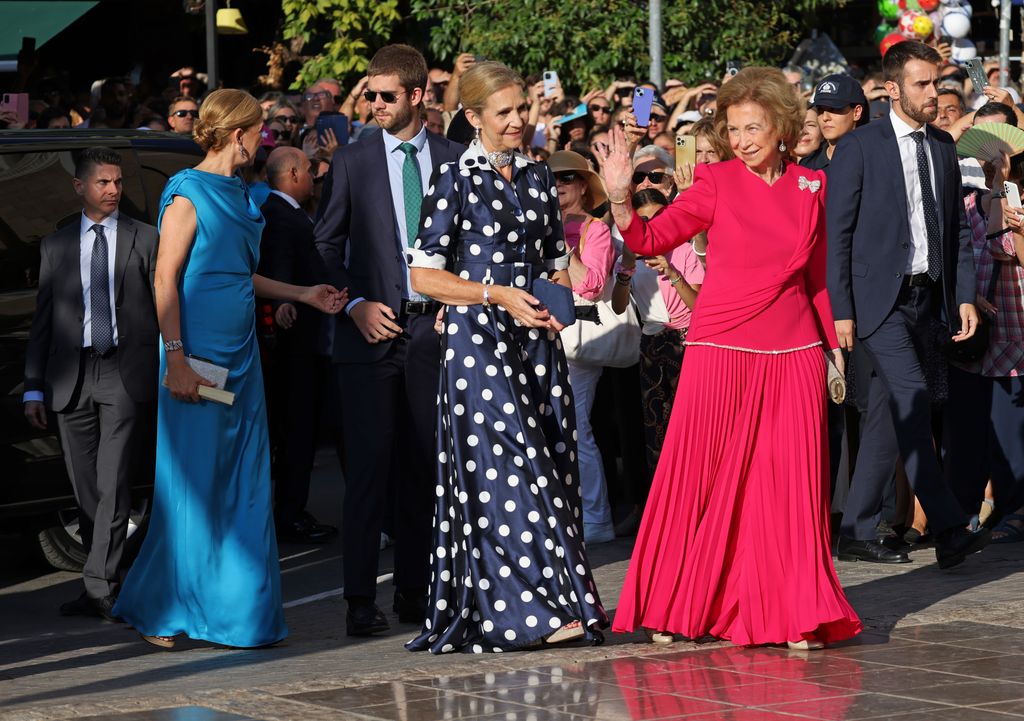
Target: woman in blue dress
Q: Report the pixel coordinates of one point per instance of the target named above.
(509, 566)
(208, 567)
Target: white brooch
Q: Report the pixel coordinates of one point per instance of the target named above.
(813, 185)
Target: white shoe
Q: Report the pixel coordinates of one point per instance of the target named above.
(805, 645)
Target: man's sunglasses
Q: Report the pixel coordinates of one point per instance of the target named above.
(655, 176)
(186, 113)
(287, 119)
(658, 118)
(599, 108)
(317, 95)
(566, 178)
(386, 96)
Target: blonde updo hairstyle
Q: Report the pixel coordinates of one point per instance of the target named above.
(768, 88)
(223, 112)
(483, 80)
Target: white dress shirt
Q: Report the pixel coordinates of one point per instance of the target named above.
(918, 260)
(86, 238)
(287, 198)
(396, 160)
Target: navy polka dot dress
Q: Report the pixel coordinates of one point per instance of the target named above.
(508, 562)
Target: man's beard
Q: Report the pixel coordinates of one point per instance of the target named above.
(919, 113)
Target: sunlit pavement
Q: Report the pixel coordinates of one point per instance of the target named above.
(938, 645)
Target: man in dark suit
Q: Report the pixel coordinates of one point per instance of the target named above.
(385, 347)
(298, 375)
(92, 359)
(887, 273)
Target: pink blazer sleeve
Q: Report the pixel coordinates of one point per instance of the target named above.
(598, 256)
(690, 213)
(814, 278)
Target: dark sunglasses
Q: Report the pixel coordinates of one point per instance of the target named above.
(186, 113)
(655, 176)
(600, 108)
(386, 96)
(658, 118)
(287, 119)
(566, 177)
(623, 92)
(279, 134)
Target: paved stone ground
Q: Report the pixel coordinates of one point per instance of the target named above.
(938, 645)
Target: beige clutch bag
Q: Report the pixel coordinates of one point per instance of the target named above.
(834, 381)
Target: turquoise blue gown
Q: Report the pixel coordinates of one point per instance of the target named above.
(208, 567)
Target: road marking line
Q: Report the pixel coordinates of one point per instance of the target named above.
(330, 594)
(299, 555)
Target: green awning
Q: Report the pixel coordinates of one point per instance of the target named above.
(39, 20)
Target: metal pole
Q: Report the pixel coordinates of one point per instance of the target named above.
(212, 64)
(1004, 43)
(654, 39)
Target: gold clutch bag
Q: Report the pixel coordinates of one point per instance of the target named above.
(834, 381)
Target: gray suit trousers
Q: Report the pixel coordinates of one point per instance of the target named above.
(105, 435)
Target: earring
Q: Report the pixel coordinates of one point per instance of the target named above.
(477, 134)
(243, 151)
(782, 146)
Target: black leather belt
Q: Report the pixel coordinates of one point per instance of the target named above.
(419, 307)
(917, 280)
(93, 353)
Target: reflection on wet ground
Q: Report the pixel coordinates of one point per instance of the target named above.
(958, 671)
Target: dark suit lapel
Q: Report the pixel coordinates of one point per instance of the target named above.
(939, 161)
(379, 183)
(125, 241)
(891, 156)
(70, 262)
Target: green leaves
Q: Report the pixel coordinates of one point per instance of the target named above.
(340, 33)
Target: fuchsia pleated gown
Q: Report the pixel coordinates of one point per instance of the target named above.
(734, 541)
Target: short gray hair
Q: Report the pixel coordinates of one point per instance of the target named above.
(657, 153)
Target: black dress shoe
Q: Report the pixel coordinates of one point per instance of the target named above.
(410, 607)
(873, 551)
(81, 606)
(896, 543)
(955, 544)
(105, 609)
(305, 530)
(365, 620)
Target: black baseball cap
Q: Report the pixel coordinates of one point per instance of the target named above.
(837, 92)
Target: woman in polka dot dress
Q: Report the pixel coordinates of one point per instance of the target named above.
(509, 568)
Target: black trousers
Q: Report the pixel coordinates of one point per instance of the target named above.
(300, 384)
(898, 423)
(389, 422)
(108, 441)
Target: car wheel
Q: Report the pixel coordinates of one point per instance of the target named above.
(62, 546)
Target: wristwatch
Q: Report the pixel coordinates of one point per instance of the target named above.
(172, 345)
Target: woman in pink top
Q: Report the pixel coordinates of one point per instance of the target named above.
(734, 542)
(580, 190)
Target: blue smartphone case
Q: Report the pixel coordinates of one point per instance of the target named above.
(642, 99)
(336, 122)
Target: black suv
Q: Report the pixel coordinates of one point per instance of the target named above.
(36, 198)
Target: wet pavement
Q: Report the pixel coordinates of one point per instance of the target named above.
(938, 646)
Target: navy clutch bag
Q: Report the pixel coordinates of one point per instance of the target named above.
(557, 299)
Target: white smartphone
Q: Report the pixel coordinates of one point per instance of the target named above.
(1012, 194)
(550, 82)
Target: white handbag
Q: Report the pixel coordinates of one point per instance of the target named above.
(615, 341)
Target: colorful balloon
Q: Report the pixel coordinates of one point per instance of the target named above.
(888, 9)
(906, 24)
(928, 5)
(888, 41)
(882, 30)
(963, 50)
(955, 23)
(923, 27)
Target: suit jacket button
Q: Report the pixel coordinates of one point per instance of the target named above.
(899, 275)
(398, 287)
(906, 245)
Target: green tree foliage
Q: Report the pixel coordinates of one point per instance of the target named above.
(342, 33)
(589, 42)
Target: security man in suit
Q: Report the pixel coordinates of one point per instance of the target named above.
(385, 347)
(887, 273)
(92, 359)
(298, 375)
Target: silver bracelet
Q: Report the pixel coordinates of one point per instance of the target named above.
(172, 345)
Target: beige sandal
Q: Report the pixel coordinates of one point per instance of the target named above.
(661, 638)
(805, 645)
(569, 632)
(164, 642)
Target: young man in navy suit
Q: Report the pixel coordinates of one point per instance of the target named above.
(888, 272)
(385, 349)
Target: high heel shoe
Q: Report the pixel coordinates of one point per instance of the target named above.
(164, 642)
(805, 644)
(660, 638)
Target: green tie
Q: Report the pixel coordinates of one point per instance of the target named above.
(412, 187)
